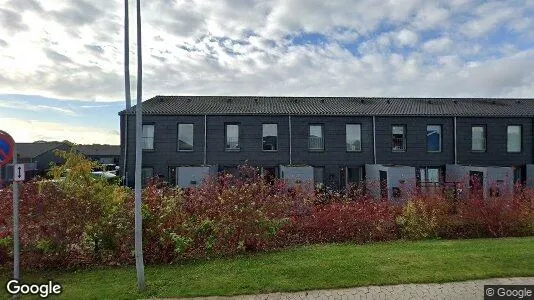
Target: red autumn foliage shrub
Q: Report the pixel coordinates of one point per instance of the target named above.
(80, 221)
(225, 215)
(340, 220)
(493, 217)
(58, 230)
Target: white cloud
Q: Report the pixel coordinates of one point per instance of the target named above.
(21, 105)
(489, 16)
(33, 130)
(431, 16)
(438, 45)
(407, 37)
(245, 47)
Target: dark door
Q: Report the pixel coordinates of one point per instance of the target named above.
(342, 178)
(270, 174)
(173, 179)
(383, 185)
(476, 184)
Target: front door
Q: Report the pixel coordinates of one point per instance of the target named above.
(476, 184)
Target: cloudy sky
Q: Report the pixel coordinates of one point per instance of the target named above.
(61, 62)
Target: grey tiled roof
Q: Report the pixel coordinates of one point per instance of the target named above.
(252, 105)
(32, 150)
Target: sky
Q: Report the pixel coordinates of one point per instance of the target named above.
(62, 62)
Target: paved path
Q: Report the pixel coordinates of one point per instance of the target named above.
(453, 290)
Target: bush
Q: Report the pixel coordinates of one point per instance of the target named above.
(421, 217)
(225, 215)
(77, 220)
(71, 221)
(493, 217)
(342, 219)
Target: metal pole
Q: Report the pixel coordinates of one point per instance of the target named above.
(127, 55)
(139, 264)
(16, 242)
(126, 85)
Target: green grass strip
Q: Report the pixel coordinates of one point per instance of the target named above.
(310, 267)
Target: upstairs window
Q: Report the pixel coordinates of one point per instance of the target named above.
(148, 137)
(185, 137)
(478, 138)
(433, 138)
(514, 138)
(232, 137)
(398, 133)
(270, 137)
(353, 137)
(316, 137)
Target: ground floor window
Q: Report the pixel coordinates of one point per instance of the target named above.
(146, 174)
(269, 173)
(230, 170)
(429, 176)
(318, 175)
(172, 178)
(520, 174)
(350, 176)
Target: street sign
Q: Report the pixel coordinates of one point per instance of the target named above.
(18, 172)
(6, 148)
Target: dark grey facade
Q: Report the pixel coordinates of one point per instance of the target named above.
(293, 116)
(496, 153)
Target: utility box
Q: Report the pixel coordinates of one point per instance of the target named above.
(530, 176)
(480, 181)
(390, 182)
(297, 175)
(192, 176)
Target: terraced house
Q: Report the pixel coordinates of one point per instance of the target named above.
(337, 141)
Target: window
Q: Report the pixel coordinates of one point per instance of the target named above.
(232, 137)
(318, 175)
(148, 137)
(520, 174)
(185, 137)
(399, 138)
(353, 137)
(146, 174)
(478, 138)
(316, 137)
(514, 138)
(354, 175)
(433, 138)
(270, 137)
(269, 173)
(429, 175)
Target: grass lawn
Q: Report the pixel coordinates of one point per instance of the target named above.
(311, 267)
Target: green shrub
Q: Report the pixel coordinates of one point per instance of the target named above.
(418, 221)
